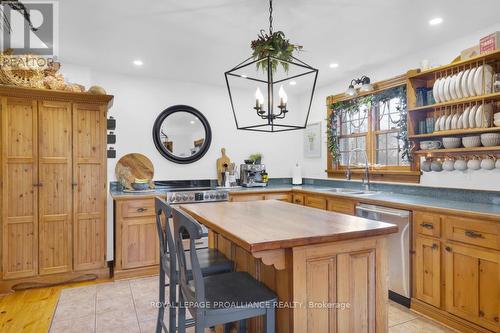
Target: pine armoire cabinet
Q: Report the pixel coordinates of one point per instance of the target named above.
(53, 185)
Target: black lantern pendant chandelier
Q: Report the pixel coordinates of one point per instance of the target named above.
(273, 66)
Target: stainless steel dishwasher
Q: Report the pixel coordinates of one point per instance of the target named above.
(398, 248)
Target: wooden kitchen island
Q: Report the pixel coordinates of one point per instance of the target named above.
(329, 270)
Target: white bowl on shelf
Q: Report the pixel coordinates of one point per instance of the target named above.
(471, 141)
(490, 139)
(497, 123)
(452, 142)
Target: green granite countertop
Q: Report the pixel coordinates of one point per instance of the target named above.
(381, 198)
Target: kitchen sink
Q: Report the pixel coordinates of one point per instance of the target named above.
(351, 191)
(344, 191)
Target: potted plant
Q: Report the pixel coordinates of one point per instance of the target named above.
(256, 158)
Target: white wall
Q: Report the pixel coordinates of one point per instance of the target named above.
(440, 55)
(139, 100)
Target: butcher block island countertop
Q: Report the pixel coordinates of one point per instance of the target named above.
(329, 270)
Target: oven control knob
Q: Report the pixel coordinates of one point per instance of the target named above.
(212, 196)
(218, 196)
(191, 197)
(177, 197)
(206, 196)
(184, 197)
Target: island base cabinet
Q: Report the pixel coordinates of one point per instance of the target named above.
(341, 287)
(473, 284)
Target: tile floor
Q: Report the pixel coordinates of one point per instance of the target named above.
(126, 307)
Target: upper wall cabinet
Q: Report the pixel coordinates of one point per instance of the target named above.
(53, 173)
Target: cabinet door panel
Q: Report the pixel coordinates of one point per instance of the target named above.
(19, 196)
(54, 128)
(89, 196)
(472, 284)
(321, 289)
(315, 202)
(139, 242)
(428, 270)
(356, 286)
(340, 205)
(247, 197)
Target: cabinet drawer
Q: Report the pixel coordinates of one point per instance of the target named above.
(340, 205)
(138, 208)
(298, 199)
(315, 202)
(427, 224)
(248, 197)
(278, 196)
(474, 232)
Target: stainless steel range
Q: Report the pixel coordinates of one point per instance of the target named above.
(196, 196)
(184, 192)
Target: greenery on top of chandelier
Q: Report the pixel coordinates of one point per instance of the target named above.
(275, 45)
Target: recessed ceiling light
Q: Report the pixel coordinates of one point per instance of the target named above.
(334, 65)
(436, 21)
(138, 62)
(192, 122)
(244, 76)
(292, 83)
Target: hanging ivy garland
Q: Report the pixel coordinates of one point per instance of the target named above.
(340, 109)
(353, 105)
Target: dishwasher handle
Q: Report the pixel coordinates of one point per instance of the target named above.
(383, 210)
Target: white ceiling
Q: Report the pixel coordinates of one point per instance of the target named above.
(197, 40)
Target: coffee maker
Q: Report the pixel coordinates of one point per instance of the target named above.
(253, 175)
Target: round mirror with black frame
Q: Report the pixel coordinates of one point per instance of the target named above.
(182, 134)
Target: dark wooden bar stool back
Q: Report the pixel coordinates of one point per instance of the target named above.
(211, 262)
(216, 299)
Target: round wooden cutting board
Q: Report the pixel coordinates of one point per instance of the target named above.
(133, 166)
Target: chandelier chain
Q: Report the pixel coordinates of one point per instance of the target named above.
(270, 17)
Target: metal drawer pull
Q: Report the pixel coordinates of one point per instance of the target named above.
(140, 210)
(434, 246)
(448, 249)
(473, 234)
(427, 225)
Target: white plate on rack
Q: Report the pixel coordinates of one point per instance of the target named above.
(447, 125)
(458, 85)
(470, 82)
(479, 118)
(442, 123)
(483, 87)
(446, 89)
(483, 116)
(472, 116)
(441, 90)
(460, 122)
(465, 117)
(453, 83)
(454, 121)
(435, 91)
(463, 84)
(437, 128)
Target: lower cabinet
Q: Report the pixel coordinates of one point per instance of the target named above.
(472, 284)
(341, 205)
(428, 270)
(246, 197)
(457, 274)
(136, 244)
(315, 202)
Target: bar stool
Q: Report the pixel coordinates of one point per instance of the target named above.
(216, 299)
(211, 262)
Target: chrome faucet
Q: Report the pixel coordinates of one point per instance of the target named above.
(348, 174)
